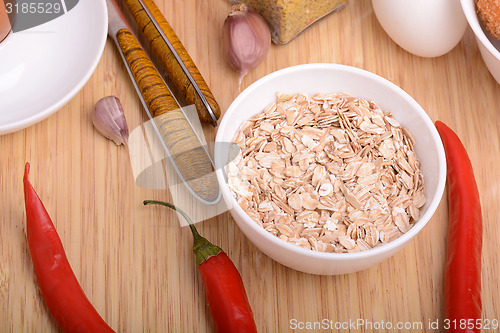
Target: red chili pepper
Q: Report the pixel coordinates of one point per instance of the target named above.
(224, 288)
(463, 256)
(60, 288)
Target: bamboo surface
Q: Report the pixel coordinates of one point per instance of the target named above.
(135, 263)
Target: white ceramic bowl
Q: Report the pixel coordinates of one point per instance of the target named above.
(488, 46)
(328, 78)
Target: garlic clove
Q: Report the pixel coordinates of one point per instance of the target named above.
(246, 38)
(109, 119)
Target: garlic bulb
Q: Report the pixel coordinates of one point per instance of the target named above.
(246, 39)
(109, 119)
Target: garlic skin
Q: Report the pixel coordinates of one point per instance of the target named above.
(109, 119)
(246, 38)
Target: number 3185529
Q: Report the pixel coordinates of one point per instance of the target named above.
(484, 324)
(33, 8)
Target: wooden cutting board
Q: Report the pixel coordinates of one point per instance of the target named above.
(135, 262)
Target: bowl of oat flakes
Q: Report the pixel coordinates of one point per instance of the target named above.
(333, 169)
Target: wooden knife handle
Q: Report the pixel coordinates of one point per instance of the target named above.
(153, 89)
(183, 144)
(169, 62)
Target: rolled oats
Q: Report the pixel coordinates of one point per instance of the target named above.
(330, 173)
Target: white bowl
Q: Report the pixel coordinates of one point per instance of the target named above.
(488, 46)
(328, 78)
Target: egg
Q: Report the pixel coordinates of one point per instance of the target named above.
(427, 28)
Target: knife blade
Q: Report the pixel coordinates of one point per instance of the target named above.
(188, 155)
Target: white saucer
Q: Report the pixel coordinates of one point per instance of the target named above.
(42, 68)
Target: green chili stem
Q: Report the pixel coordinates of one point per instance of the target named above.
(186, 216)
(202, 248)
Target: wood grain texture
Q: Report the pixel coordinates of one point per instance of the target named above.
(135, 263)
(188, 154)
(154, 91)
(208, 112)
